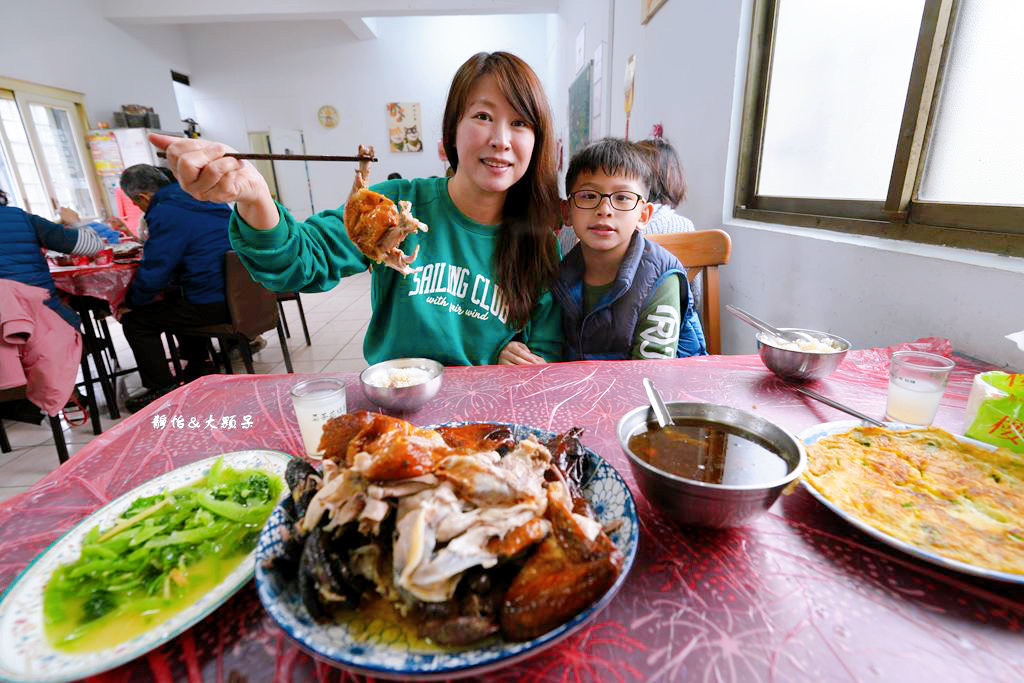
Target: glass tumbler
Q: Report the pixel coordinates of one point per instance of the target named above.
(917, 381)
(316, 401)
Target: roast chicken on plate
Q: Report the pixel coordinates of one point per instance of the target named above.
(466, 531)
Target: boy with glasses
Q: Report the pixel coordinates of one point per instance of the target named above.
(622, 296)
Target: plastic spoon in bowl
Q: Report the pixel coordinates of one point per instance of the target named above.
(657, 405)
(782, 335)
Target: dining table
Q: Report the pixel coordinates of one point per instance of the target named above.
(795, 594)
(106, 282)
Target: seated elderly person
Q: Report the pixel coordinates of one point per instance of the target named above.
(187, 242)
(24, 235)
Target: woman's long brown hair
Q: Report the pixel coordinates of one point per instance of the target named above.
(526, 259)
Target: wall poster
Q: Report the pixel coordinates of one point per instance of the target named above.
(579, 110)
(404, 127)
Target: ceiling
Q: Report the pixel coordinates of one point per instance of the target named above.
(358, 15)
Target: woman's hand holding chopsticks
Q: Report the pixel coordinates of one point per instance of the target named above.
(205, 172)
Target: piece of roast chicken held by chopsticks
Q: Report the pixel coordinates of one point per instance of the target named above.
(376, 225)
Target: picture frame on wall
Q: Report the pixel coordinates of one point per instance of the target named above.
(648, 8)
(404, 127)
(579, 109)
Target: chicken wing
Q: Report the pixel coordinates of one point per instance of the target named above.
(382, 448)
(479, 437)
(572, 567)
(377, 226)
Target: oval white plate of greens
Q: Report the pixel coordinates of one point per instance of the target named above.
(26, 655)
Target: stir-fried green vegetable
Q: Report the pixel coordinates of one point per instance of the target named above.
(142, 563)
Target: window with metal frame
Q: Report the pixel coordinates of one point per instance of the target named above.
(44, 161)
(892, 119)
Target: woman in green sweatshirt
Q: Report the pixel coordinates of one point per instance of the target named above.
(480, 291)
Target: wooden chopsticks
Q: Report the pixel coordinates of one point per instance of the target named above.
(288, 157)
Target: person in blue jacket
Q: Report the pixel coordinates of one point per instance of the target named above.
(187, 242)
(25, 235)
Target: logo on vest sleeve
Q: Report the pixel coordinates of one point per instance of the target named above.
(661, 333)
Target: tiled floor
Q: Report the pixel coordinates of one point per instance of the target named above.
(337, 322)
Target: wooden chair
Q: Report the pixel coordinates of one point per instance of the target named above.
(253, 311)
(701, 253)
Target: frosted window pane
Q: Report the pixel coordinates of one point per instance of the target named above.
(67, 173)
(37, 200)
(7, 180)
(838, 86)
(977, 150)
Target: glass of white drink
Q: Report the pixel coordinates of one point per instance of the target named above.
(316, 401)
(917, 381)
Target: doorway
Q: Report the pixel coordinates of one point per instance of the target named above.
(294, 190)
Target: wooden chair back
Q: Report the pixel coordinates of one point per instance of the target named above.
(253, 310)
(253, 307)
(701, 252)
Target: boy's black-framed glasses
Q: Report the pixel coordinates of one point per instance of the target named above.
(620, 201)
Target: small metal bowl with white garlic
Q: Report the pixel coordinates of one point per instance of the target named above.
(402, 385)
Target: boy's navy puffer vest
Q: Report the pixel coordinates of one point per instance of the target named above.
(606, 333)
(22, 260)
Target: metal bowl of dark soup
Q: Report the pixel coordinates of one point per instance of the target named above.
(716, 466)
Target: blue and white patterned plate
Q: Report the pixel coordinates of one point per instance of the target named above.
(812, 434)
(387, 654)
(25, 654)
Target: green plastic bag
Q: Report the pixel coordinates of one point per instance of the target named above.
(1000, 421)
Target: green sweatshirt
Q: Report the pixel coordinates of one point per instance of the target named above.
(449, 309)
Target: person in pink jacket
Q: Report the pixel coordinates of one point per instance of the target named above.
(35, 347)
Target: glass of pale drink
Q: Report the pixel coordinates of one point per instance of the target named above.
(316, 401)
(917, 381)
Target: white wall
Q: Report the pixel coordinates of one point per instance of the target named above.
(592, 17)
(258, 75)
(68, 44)
(691, 65)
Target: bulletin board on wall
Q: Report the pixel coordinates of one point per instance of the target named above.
(579, 109)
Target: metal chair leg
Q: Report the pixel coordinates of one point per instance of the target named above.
(95, 350)
(213, 353)
(175, 357)
(302, 317)
(280, 313)
(108, 344)
(58, 439)
(284, 348)
(243, 346)
(225, 353)
(90, 396)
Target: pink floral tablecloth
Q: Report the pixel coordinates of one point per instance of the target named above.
(796, 595)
